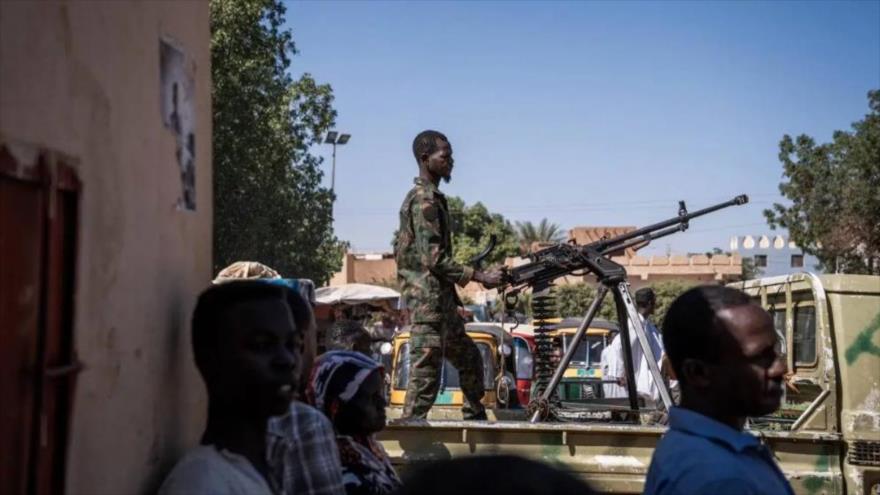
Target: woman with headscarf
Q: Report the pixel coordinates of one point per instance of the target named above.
(348, 387)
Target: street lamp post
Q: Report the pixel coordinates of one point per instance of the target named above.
(335, 138)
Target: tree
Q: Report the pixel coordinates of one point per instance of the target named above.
(833, 189)
(528, 233)
(572, 300)
(269, 205)
(471, 228)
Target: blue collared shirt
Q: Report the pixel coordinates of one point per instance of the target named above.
(699, 455)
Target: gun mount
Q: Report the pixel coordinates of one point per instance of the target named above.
(546, 265)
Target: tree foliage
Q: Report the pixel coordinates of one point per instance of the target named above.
(833, 189)
(269, 205)
(471, 228)
(545, 231)
(572, 300)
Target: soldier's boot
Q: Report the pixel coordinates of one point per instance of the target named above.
(472, 409)
(480, 416)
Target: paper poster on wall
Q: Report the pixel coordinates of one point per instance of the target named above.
(178, 115)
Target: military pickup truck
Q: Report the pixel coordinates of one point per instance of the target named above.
(826, 435)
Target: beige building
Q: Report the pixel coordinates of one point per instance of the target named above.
(379, 268)
(373, 268)
(105, 240)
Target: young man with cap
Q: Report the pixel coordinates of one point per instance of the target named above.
(247, 342)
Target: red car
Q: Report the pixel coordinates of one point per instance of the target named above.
(523, 358)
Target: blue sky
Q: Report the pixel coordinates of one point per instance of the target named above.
(586, 113)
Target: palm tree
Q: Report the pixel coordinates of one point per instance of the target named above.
(528, 233)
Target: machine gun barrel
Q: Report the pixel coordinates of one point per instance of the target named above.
(562, 259)
(677, 224)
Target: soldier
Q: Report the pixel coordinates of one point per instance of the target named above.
(428, 274)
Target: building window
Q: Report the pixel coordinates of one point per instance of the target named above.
(761, 260)
(797, 261)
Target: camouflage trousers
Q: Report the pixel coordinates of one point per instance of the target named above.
(429, 343)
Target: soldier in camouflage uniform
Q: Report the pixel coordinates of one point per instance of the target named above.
(428, 274)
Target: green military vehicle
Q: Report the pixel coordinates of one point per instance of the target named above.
(826, 435)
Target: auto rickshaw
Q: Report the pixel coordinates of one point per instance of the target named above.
(583, 377)
(496, 347)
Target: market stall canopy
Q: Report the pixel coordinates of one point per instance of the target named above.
(356, 294)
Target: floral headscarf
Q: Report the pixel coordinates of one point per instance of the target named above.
(336, 378)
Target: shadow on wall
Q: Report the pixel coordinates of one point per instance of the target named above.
(168, 418)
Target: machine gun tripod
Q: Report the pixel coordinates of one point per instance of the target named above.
(553, 262)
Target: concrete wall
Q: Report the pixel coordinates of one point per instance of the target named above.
(356, 269)
(82, 78)
(375, 271)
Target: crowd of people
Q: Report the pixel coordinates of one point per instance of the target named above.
(253, 336)
(249, 337)
(274, 427)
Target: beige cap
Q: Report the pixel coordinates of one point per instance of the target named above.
(245, 270)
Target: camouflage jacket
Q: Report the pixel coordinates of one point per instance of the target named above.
(423, 250)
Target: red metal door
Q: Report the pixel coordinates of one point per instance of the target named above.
(38, 218)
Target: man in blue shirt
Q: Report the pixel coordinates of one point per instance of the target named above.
(723, 350)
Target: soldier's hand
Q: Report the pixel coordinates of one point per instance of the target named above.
(490, 279)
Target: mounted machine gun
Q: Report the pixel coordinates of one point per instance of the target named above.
(546, 265)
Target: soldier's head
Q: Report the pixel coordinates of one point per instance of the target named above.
(433, 154)
(723, 350)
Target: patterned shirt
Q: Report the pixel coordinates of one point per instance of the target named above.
(302, 452)
(366, 469)
(426, 269)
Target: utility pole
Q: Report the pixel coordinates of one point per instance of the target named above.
(335, 138)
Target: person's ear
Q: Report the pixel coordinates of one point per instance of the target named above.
(695, 372)
(423, 158)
